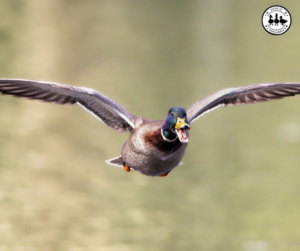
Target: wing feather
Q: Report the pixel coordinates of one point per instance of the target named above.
(242, 95)
(103, 108)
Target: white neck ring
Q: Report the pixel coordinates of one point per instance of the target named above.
(165, 139)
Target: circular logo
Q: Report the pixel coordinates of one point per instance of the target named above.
(276, 20)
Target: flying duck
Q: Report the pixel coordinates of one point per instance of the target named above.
(154, 147)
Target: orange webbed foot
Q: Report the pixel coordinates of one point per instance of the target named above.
(126, 168)
(164, 174)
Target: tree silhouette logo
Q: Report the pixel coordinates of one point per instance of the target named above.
(276, 20)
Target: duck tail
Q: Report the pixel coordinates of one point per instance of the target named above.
(118, 161)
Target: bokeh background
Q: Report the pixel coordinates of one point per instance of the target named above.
(239, 186)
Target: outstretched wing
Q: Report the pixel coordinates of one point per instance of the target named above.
(103, 108)
(242, 95)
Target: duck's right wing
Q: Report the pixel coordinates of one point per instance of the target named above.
(241, 95)
(103, 108)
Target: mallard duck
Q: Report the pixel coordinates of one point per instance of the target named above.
(154, 147)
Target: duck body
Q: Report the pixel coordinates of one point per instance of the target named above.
(147, 152)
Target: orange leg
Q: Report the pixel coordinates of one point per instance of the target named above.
(164, 174)
(126, 168)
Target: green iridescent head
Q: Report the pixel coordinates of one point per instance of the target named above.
(177, 123)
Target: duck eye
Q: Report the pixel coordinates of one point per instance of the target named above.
(172, 114)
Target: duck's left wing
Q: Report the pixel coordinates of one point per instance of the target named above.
(103, 108)
(240, 96)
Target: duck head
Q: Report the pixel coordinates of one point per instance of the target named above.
(176, 125)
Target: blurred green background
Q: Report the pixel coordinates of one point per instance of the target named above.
(239, 186)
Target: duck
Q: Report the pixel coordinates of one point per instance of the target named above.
(282, 21)
(276, 21)
(271, 21)
(154, 147)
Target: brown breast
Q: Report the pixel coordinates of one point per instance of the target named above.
(155, 140)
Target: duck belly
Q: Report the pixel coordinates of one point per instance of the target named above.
(149, 161)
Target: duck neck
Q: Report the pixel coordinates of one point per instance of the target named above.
(167, 134)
